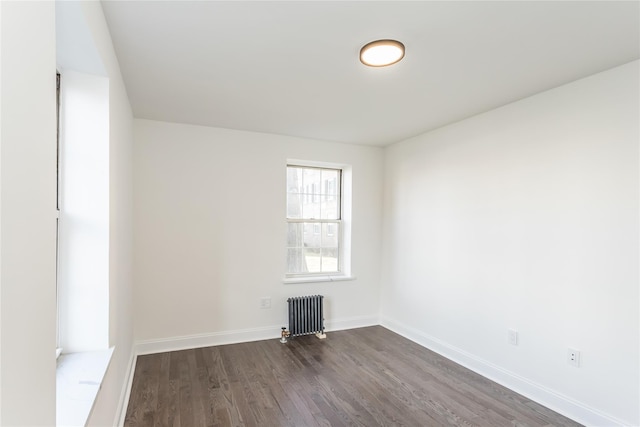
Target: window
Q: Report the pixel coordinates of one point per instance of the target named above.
(83, 224)
(314, 221)
(58, 347)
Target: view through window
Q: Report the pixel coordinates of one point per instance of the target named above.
(313, 220)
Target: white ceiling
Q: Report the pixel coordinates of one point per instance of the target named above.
(292, 68)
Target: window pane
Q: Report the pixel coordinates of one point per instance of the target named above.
(329, 180)
(330, 208)
(294, 179)
(295, 261)
(312, 259)
(311, 209)
(311, 179)
(330, 235)
(329, 260)
(312, 235)
(311, 202)
(313, 193)
(307, 230)
(294, 235)
(294, 205)
(294, 190)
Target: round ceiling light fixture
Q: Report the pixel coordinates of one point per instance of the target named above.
(381, 53)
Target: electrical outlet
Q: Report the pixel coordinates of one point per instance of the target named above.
(573, 357)
(265, 302)
(512, 337)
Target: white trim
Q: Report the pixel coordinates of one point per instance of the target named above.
(121, 411)
(79, 378)
(316, 279)
(553, 400)
(186, 342)
(316, 164)
(351, 323)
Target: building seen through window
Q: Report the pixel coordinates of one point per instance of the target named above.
(313, 220)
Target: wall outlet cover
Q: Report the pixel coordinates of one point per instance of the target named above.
(573, 357)
(265, 302)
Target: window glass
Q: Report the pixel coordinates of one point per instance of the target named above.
(313, 216)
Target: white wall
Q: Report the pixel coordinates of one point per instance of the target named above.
(107, 407)
(526, 217)
(114, 386)
(27, 200)
(88, 48)
(210, 233)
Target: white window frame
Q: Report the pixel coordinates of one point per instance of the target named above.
(343, 226)
(58, 203)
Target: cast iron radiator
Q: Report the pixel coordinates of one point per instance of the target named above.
(306, 315)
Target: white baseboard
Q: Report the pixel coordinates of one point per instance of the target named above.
(121, 411)
(186, 342)
(551, 399)
(238, 336)
(351, 323)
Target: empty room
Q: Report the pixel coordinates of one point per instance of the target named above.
(319, 213)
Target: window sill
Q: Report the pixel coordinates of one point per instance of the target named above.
(78, 378)
(317, 279)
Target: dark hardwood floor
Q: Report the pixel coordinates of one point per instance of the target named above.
(362, 377)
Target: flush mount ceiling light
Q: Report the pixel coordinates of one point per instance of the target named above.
(381, 53)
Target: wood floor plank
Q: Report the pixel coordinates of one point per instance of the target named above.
(359, 377)
(185, 398)
(215, 375)
(167, 402)
(199, 401)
